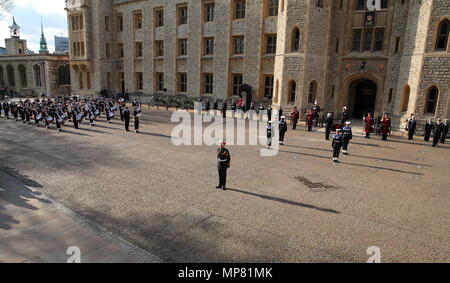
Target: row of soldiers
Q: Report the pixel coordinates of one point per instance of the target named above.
(69, 109)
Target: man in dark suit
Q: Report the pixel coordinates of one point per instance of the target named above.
(437, 132)
(126, 118)
(428, 128)
(223, 164)
(412, 125)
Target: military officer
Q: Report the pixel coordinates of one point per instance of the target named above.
(224, 161)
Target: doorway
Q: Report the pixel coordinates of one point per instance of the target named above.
(363, 94)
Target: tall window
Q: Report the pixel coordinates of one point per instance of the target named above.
(37, 76)
(11, 77)
(80, 80)
(239, 9)
(139, 81)
(379, 38)
(64, 75)
(442, 36)
(369, 34)
(209, 83)
(120, 50)
(295, 40)
(182, 47)
(368, 40)
(273, 8)
(292, 92)
(106, 23)
(138, 49)
(23, 76)
(159, 18)
(268, 86)
(2, 78)
(356, 40)
(119, 22)
(160, 81)
(182, 79)
(88, 80)
(271, 42)
(312, 92)
(237, 84)
(432, 99)
(239, 45)
(159, 48)
(406, 93)
(209, 46)
(182, 15)
(138, 20)
(209, 12)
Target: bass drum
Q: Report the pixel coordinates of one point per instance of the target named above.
(49, 119)
(39, 117)
(80, 117)
(111, 115)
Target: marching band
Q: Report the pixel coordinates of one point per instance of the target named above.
(61, 110)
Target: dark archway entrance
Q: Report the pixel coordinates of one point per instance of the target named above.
(363, 94)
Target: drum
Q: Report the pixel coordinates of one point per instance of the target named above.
(97, 113)
(61, 121)
(39, 117)
(80, 117)
(49, 119)
(111, 115)
(114, 108)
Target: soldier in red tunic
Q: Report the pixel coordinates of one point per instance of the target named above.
(368, 125)
(295, 117)
(310, 120)
(385, 127)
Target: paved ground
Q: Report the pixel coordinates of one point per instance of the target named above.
(394, 195)
(37, 230)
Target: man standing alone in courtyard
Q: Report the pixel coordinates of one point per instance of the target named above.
(223, 160)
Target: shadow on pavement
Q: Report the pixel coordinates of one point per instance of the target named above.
(285, 201)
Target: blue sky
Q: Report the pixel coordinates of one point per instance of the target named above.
(28, 15)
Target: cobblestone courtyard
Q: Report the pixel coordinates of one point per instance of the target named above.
(295, 207)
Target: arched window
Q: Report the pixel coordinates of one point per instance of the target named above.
(292, 92)
(2, 78)
(312, 92)
(37, 76)
(11, 77)
(23, 76)
(442, 35)
(432, 99)
(295, 40)
(405, 103)
(64, 75)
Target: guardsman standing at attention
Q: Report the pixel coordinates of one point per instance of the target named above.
(444, 131)
(283, 129)
(328, 126)
(344, 116)
(224, 109)
(385, 127)
(137, 118)
(337, 145)
(428, 128)
(368, 125)
(411, 127)
(295, 117)
(224, 161)
(126, 118)
(347, 136)
(6, 109)
(437, 132)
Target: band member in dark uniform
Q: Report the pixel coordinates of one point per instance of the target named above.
(234, 108)
(269, 132)
(385, 127)
(337, 145)
(59, 117)
(437, 132)
(295, 117)
(316, 110)
(126, 118)
(22, 113)
(109, 113)
(344, 116)
(121, 109)
(6, 109)
(215, 106)
(269, 113)
(411, 127)
(329, 123)
(137, 118)
(224, 161)
(444, 131)
(428, 128)
(224, 109)
(283, 129)
(368, 125)
(347, 136)
(207, 106)
(280, 114)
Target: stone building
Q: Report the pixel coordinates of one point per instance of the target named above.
(24, 74)
(390, 57)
